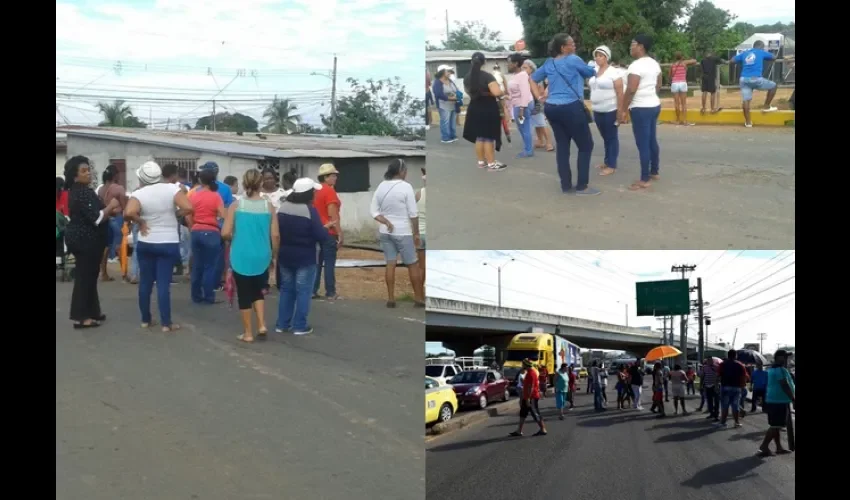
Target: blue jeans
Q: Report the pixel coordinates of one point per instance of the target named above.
(748, 85)
(294, 305)
(219, 265)
(525, 130)
(327, 259)
(156, 262)
(206, 248)
(597, 397)
(185, 245)
(569, 123)
(608, 129)
(644, 125)
(730, 396)
(448, 126)
(133, 271)
(115, 236)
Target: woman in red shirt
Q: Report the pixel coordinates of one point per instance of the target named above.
(679, 87)
(61, 197)
(206, 237)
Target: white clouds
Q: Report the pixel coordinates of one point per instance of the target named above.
(600, 285)
(281, 42)
(499, 15)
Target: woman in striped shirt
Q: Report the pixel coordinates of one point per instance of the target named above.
(679, 87)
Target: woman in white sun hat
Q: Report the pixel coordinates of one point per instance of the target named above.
(446, 96)
(301, 230)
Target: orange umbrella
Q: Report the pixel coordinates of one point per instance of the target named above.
(662, 352)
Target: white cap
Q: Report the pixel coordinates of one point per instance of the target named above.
(604, 50)
(305, 184)
(445, 67)
(149, 173)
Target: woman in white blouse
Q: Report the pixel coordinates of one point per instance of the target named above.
(606, 94)
(641, 99)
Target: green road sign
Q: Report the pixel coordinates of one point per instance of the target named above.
(663, 298)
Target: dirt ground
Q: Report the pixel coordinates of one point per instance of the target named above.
(368, 283)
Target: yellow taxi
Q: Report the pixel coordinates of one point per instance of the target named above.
(440, 401)
(582, 372)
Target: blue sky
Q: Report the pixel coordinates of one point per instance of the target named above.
(191, 50)
(601, 286)
(498, 15)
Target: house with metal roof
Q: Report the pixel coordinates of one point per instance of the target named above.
(361, 160)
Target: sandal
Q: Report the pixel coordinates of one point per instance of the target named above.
(655, 177)
(764, 453)
(243, 338)
(607, 171)
(637, 186)
(172, 328)
(262, 334)
(550, 149)
(80, 326)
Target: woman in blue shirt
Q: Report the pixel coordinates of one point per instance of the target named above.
(251, 227)
(301, 230)
(564, 108)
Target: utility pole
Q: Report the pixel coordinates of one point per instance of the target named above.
(150, 116)
(683, 320)
(168, 123)
(499, 270)
(447, 25)
(333, 98)
(707, 324)
(762, 336)
(701, 316)
(213, 117)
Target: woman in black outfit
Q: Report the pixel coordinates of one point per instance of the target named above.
(483, 125)
(85, 236)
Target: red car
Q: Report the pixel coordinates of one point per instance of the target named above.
(479, 387)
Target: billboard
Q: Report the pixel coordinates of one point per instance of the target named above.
(663, 298)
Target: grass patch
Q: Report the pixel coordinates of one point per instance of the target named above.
(405, 297)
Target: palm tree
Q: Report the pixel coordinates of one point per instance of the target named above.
(280, 117)
(115, 114)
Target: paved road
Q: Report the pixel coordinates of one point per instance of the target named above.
(618, 454)
(199, 415)
(721, 188)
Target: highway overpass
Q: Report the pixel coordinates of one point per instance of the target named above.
(464, 326)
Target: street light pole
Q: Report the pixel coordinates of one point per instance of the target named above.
(499, 272)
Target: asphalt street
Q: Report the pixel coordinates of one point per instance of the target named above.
(617, 454)
(721, 188)
(197, 414)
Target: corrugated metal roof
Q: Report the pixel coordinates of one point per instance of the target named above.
(251, 145)
(463, 55)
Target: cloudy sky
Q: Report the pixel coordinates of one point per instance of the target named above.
(752, 291)
(498, 15)
(167, 57)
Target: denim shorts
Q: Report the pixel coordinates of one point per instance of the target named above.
(395, 245)
(748, 85)
(538, 120)
(679, 87)
(422, 246)
(730, 396)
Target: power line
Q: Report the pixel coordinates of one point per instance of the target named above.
(724, 299)
(459, 293)
(754, 307)
(766, 265)
(759, 292)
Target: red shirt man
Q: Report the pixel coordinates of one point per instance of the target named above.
(326, 200)
(531, 384)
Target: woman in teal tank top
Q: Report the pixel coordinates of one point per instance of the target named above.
(251, 225)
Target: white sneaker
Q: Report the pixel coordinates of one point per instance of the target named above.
(303, 332)
(748, 125)
(770, 109)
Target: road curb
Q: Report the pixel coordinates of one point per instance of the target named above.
(467, 419)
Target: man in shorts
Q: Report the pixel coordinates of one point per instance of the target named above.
(530, 404)
(781, 393)
(733, 378)
(752, 69)
(709, 65)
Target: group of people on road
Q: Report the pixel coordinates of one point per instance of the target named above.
(554, 92)
(271, 235)
(723, 387)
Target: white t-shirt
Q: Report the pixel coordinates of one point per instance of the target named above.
(396, 201)
(274, 198)
(602, 93)
(420, 205)
(648, 70)
(159, 212)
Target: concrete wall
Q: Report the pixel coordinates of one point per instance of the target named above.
(60, 163)
(356, 220)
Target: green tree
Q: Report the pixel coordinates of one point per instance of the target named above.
(118, 114)
(594, 22)
(280, 117)
(226, 122)
(747, 29)
(306, 128)
(377, 107)
(707, 25)
(472, 35)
